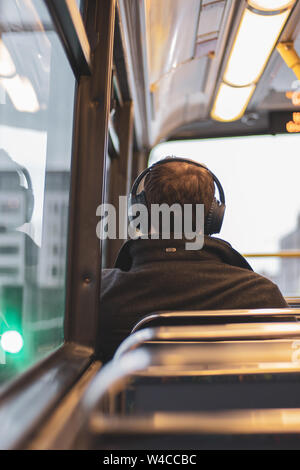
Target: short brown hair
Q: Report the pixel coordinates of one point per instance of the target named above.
(181, 183)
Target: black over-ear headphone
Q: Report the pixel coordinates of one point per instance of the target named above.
(214, 219)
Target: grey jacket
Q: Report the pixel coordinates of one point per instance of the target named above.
(149, 277)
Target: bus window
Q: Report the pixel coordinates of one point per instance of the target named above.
(36, 116)
(106, 199)
(259, 175)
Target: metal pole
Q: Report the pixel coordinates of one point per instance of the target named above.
(88, 182)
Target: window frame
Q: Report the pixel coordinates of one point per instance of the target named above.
(50, 379)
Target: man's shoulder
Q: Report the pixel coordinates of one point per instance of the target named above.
(114, 277)
(264, 281)
(264, 288)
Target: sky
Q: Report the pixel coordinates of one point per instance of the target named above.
(260, 177)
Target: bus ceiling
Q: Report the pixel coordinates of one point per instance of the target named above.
(208, 68)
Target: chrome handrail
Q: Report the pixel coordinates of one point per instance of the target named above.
(245, 422)
(279, 254)
(211, 315)
(292, 301)
(113, 376)
(198, 333)
(179, 360)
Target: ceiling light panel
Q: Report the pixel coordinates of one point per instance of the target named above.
(21, 93)
(254, 43)
(271, 5)
(231, 103)
(7, 66)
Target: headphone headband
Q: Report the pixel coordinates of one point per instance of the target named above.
(28, 192)
(215, 216)
(178, 159)
(27, 177)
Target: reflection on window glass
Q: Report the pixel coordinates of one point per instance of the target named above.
(105, 242)
(36, 113)
(260, 176)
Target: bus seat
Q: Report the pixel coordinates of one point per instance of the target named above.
(172, 382)
(215, 317)
(230, 389)
(180, 372)
(293, 302)
(244, 429)
(212, 333)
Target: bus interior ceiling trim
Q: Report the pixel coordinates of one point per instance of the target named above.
(174, 82)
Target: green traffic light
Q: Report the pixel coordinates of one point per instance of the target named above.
(11, 342)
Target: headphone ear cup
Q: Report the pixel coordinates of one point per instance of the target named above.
(215, 218)
(136, 199)
(30, 205)
(141, 198)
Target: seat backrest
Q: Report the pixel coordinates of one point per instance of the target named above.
(216, 317)
(245, 429)
(212, 333)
